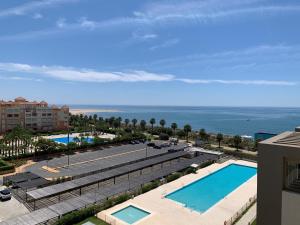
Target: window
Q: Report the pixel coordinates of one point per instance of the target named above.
(292, 178)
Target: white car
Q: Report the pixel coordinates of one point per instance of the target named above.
(5, 194)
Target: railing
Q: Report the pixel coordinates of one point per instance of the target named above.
(239, 213)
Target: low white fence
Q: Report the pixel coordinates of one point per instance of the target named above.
(239, 213)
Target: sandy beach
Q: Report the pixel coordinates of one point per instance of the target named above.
(84, 111)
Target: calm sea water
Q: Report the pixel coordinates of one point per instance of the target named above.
(228, 120)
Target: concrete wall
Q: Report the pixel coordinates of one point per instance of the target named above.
(290, 204)
(270, 181)
(269, 185)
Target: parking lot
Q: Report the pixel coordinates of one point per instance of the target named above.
(11, 208)
(81, 163)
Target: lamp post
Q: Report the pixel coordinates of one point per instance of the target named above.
(68, 153)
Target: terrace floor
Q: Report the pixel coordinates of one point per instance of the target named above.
(167, 212)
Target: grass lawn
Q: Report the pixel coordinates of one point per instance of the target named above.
(254, 223)
(94, 220)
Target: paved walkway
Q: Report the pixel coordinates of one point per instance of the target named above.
(248, 217)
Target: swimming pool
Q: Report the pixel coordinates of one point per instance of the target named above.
(205, 192)
(64, 140)
(130, 214)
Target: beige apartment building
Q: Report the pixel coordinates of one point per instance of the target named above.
(278, 194)
(35, 116)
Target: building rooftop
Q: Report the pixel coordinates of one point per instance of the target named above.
(289, 138)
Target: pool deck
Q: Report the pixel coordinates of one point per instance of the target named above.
(108, 136)
(167, 212)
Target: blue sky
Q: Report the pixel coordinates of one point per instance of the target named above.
(208, 52)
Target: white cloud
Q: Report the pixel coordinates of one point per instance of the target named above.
(88, 75)
(239, 58)
(85, 23)
(85, 75)
(61, 23)
(166, 44)
(242, 82)
(37, 16)
(204, 11)
(140, 36)
(31, 6)
(159, 14)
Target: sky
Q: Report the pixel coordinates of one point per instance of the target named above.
(179, 52)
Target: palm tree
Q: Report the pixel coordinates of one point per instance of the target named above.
(76, 140)
(143, 124)
(119, 119)
(219, 139)
(152, 122)
(111, 121)
(203, 134)
(187, 128)
(162, 122)
(127, 121)
(237, 140)
(174, 127)
(134, 121)
(95, 117)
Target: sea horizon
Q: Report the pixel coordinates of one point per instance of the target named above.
(228, 120)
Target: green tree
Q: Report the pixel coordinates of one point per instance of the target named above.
(237, 140)
(127, 121)
(203, 134)
(174, 127)
(187, 129)
(44, 145)
(162, 122)
(119, 119)
(95, 117)
(152, 122)
(143, 124)
(134, 122)
(219, 138)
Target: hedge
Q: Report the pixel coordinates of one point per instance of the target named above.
(240, 154)
(5, 167)
(78, 216)
(173, 176)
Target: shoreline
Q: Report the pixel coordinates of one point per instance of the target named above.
(78, 111)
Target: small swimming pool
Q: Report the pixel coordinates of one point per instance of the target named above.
(206, 192)
(130, 214)
(64, 140)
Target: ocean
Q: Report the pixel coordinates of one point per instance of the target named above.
(227, 120)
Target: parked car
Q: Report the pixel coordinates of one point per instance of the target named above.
(151, 144)
(164, 145)
(5, 194)
(157, 147)
(132, 142)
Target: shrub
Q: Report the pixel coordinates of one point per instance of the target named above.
(150, 186)
(190, 170)
(6, 167)
(77, 216)
(121, 198)
(163, 136)
(205, 164)
(172, 177)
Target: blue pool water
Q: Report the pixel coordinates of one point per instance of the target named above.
(204, 193)
(130, 214)
(64, 140)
